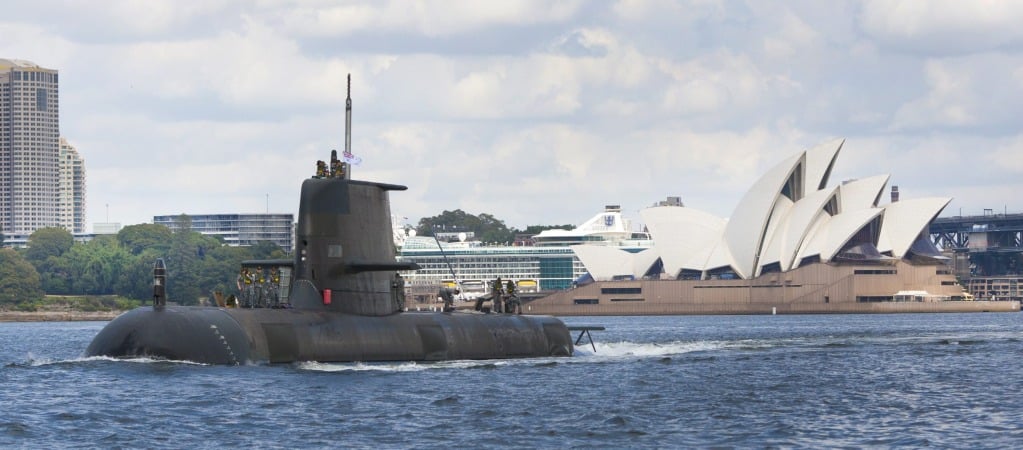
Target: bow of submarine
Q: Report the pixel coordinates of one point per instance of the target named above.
(203, 335)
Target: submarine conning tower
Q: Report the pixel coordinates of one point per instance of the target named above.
(344, 254)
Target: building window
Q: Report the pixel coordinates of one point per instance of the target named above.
(40, 99)
(873, 298)
(622, 290)
(587, 301)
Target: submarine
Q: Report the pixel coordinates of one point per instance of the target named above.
(337, 301)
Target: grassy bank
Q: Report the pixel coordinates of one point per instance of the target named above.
(68, 308)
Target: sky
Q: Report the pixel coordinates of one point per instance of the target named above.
(534, 111)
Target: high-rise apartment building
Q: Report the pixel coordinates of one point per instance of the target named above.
(72, 188)
(29, 147)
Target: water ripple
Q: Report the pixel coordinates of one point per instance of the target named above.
(735, 381)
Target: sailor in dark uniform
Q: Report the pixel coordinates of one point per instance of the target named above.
(512, 305)
(448, 296)
(497, 289)
(398, 291)
(244, 283)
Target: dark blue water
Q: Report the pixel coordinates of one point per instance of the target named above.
(944, 380)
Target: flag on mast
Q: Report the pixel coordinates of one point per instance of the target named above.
(349, 158)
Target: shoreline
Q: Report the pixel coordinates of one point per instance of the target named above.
(58, 316)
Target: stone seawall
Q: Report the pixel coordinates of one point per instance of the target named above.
(654, 309)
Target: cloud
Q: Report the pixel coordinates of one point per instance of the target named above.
(944, 27)
(719, 82)
(964, 92)
(428, 18)
(120, 21)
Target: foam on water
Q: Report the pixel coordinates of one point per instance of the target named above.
(626, 349)
(408, 366)
(583, 354)
(32, 361)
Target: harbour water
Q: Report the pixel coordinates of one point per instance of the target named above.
(945, 380)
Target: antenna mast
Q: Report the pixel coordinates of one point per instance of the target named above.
(348, 118)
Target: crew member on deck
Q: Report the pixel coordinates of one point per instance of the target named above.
(245, 287)
(448, 296)
(261, 287)
(321, 169)
(398, 291)
(274, 288)
(498, 291)
(512, 305)
(252, 290)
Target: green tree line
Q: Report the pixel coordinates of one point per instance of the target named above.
(487, 228)
(122, 264)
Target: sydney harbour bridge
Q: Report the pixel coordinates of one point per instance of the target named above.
(986, 252)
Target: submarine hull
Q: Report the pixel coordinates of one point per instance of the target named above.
(214, 335)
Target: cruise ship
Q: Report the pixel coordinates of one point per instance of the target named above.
(544, 265)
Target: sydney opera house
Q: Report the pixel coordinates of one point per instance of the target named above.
(794, 244)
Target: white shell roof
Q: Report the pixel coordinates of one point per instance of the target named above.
(786, 241)
(905, 220)
(681, 234)
(719, 256)
(863, 193)
(819, 161)
(832, 235)
(642, 261)
(744, 233)
(604, 262)
(779, 220)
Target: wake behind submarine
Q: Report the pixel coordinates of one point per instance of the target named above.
(336, 301)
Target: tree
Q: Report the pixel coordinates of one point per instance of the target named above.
(493, 230)
(220, 268)
(486, 227)
(266, 250)
(19, 281)
(137, 238)
(137, 279)
(46, 242)
(183, 263)
(447, 221)
(536, 229)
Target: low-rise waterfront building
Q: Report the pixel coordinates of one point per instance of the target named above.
(240, 229)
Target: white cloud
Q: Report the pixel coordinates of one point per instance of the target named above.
(965, 92)
(681, 12)
(717, 82)
(429, 18)
(793, 38)
(944, 26)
